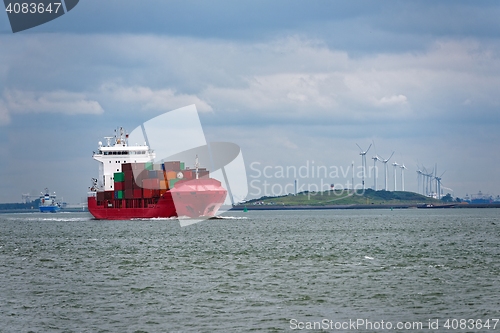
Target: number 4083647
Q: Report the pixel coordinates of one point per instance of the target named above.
(471, 324)
(32, 8)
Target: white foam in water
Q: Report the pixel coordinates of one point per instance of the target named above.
(230, 217)
(369, 258)
(156, 219)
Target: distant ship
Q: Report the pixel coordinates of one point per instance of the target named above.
(131, 186)
(48, 203)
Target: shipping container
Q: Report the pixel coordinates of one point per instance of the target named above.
(155, 174)
(172, 166)
(109, 195)
(158, 167)
(137, 193)
(172, 182)
(147, 193)
(119, 186)
(129, 193)
(164, 185)
(171, 175)
(129, 174)
(188, 174)
(152, 183)
(181, 166)
(128, 184)
(148, 166)
(119, 194)
(100, 196)
(119, 176)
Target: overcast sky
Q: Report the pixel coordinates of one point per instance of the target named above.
(293, 82)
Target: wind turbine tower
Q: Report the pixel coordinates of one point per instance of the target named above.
(419, 174)
(438, 184)
(385, 167)
(395, 165)
(363, 162)
(375, 159)
(402, 166)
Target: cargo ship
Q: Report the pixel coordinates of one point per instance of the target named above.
(132, 186)
(48, 203)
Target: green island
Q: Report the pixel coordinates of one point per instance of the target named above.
(338, 199)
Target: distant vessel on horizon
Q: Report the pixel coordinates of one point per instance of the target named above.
(48, 203)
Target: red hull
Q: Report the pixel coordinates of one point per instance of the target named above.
(194, 198)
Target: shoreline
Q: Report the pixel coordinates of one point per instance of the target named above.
(303, 207)
(356, 206)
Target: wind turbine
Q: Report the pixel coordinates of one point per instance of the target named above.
(419, 175)
(385, 166)
(428, 181)
(438, 184)
(402, 166)
(363, 162)
(395, 165)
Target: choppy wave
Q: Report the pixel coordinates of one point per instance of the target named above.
(256, 275)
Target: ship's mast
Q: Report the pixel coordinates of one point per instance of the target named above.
(196, 165)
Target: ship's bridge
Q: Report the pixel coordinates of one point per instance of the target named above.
(116, 153)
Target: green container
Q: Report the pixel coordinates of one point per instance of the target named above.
(148, 166)
(118, 194)
(182, 165)
(172, 182)
(119, 177)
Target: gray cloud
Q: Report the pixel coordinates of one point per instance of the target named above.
(303, 85)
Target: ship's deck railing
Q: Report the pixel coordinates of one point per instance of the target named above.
(91, 194)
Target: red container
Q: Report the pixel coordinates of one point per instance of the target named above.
(129, 174)
(128, 184)
(203, 174)
(188, 174)
(100, 196)
(129, 194)
(172, 165)
(109, 195)
(147, 193)
(137, 193)
(126, 167)
(119, 186)
(152, 184)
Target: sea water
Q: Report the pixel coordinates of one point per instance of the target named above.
(262, 271)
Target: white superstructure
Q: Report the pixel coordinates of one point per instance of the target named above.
(112, 155)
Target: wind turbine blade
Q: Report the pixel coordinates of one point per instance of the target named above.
(369, 147)
(442, 174)
(390, 156)
(359, 147)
